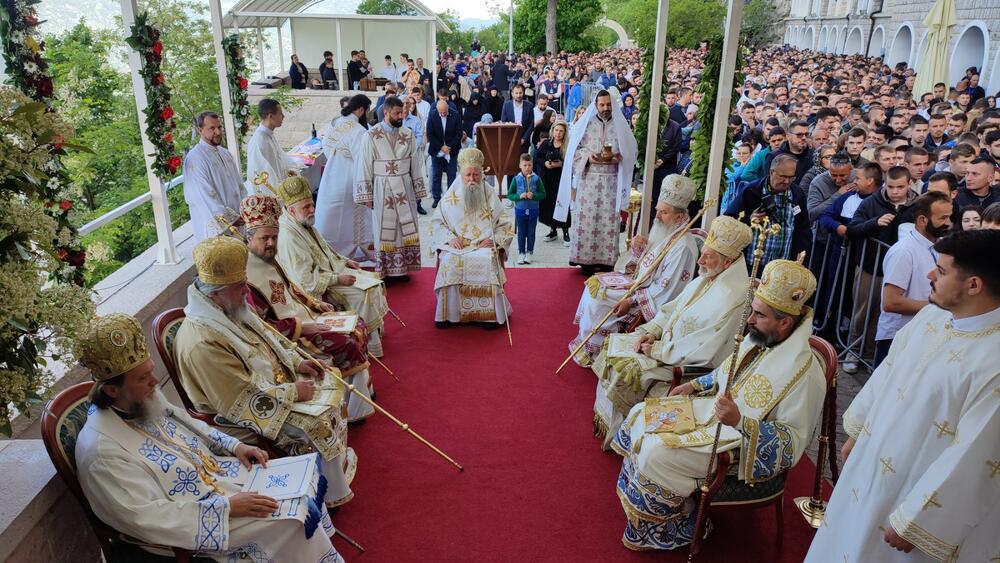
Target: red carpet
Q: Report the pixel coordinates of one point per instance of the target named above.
(536, 485)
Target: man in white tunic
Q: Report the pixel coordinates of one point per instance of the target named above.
(264, 154)
(389, 179)
(297, 315)
(694, 330)
(344, 224)
(213, 187)
(234, 366)
(602, 152)
(768, 416)
(921, 476)
(667, 274)
(471, 234)
(320, 271)
(154, 473)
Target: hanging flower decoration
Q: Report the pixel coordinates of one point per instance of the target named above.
(24, 56)
(236, 69)
(160, 125)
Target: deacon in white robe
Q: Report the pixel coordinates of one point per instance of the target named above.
(213, 187)
(264, 154)
(320, 271)
(602, 152)
(668, 274)
(471, 235)
(389, 179)
(152, 472)
(235, 367)
(344, 224)
(769, 416)
(921, 479)
(695, 330)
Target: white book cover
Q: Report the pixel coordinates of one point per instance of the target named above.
(283, 478)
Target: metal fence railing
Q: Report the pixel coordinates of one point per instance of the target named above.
(124, 208)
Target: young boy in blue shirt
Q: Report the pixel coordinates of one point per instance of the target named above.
(526, 190)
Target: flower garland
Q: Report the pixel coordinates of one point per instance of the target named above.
(24, 56)
(236, 69)
(160, 125)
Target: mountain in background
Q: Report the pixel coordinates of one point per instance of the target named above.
(476, 23)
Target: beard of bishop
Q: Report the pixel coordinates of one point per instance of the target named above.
(474, 197)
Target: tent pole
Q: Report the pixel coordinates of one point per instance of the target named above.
(655, 99)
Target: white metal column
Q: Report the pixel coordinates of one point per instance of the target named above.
(260, 50)
(220, 68)
(717, 156)
(339, 57)
(655, 100)
(166, 249)
(432, 59)
(281, 48)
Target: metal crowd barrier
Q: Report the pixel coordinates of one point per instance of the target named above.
(848, 293)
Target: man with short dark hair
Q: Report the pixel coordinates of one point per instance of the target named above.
(328, 73)
(519, 110)
(979, 189)
(264, 154)
(917, 131)
(356, 70)
(213, 186)
(905, 287)
(916, 161)
(925, 428)
(796, 146)
(936, 131)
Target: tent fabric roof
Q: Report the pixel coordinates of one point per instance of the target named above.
(294, 8)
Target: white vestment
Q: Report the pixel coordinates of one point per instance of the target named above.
(694, 330)
(601, 190)
(147, 479)
(468, 282)
(344, 224)
(264, 154)
(927, 457)
(389, 175)
(212, 188)
(604, 291)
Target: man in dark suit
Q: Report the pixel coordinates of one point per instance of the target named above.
(356, 70)
(519, 110)
(501, 77)
(444, 138)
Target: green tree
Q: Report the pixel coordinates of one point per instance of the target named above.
(690, 21)
(760, 19)
(457, 37)
(385, 8)
(575, 25)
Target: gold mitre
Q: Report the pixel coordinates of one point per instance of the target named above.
(260, 210)
(677, 191)
(786, 286)
(471, 157)
(113, 345)
(221, 260)
(728, 236)
(293, 190)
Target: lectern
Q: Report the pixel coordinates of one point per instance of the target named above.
(501, 145)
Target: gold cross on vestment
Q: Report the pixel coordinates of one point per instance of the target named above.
(865, 430)
(931, 329)
(994, 467)
(953, 356)
(452, 199)
(887, 465)
(931, 501)
(899, 394)
(943, 428)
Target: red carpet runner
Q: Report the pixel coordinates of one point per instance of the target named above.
(536, 486)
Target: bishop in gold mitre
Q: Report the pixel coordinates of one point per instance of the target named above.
(152, 472)
(470, 234)
(299, 316)
(694, 330)
(235, 367)
(324, 274)
(768, 417)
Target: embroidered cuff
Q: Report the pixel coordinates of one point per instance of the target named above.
(927, 542)
(223, 441)
(363, 193)
(419, 189)
(703, 383)
(852, 426)
(656, 350)
(646, 307)
(213, 524)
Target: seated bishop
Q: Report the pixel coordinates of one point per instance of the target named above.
(322, 273)
(471, 235)
(295, 313)
(767, 416)
(236, 367)
(665, 275)
(694, 330)
(154, 473)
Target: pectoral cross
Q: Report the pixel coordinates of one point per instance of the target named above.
(994, 467)
(931, 501)
(887, 465)
(944, 428)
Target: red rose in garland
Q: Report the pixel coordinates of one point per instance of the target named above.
(174, 163)
(65, 205)
(243, 83)
(158, 48)
(168, 138)
(167, 113)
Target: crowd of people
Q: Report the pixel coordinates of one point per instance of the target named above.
(861, 175)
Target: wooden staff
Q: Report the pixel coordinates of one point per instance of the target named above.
(350, 387)
(348, 539)
(395, 316)
(635, 285)
(764, 230)
(385, 367)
